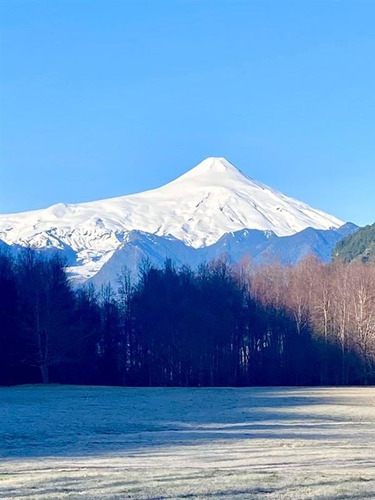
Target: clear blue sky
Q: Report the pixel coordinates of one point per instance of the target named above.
(101, 98)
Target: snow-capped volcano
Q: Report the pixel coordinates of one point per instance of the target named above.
(212, 199)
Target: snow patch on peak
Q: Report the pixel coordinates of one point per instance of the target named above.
(213, 170)
(214, 164)
(59, 210)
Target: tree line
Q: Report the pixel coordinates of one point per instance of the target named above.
(220, 325)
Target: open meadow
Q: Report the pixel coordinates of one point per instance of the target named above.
(59, 442)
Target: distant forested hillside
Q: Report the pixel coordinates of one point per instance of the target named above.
(357, 246)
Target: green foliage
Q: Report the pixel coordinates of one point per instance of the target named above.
(357, 246)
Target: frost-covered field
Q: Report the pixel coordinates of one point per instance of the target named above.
(272, 443)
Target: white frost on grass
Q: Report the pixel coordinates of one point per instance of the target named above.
(62, 442)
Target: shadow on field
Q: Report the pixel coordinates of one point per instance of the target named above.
(67, 421)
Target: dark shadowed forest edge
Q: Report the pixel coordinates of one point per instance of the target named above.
(311, 324)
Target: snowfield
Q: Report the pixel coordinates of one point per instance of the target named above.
(62, 442)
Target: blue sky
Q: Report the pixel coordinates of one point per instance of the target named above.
(101, 98)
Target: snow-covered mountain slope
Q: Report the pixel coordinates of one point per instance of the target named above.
(212, 199)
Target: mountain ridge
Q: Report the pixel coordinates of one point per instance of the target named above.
(260, 246)
(198, 208)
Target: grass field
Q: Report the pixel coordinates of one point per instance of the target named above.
(59, 442)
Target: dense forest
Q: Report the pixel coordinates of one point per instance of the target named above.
(357, 246)
(221, 325)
